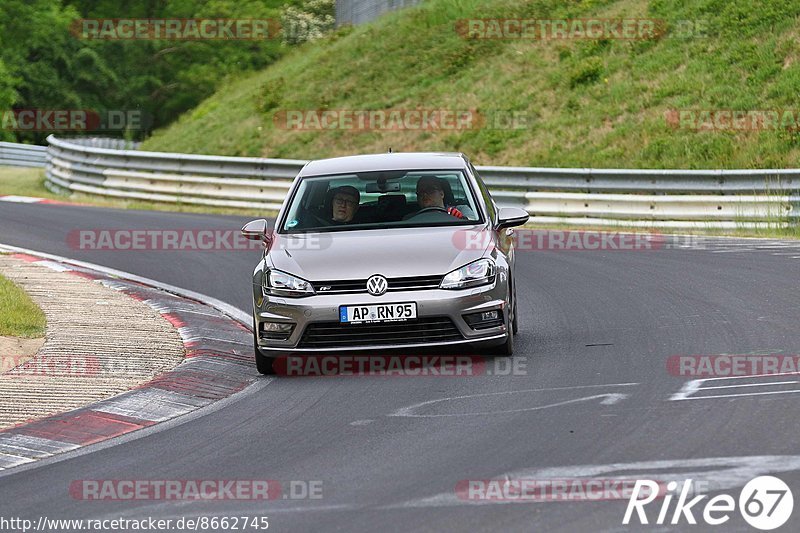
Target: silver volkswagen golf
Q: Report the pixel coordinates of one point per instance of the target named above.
(384, 252)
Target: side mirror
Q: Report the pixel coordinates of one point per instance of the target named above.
(257, 230)
(509, 217)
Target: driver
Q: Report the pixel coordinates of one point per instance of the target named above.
(344, 204)
(430, 193)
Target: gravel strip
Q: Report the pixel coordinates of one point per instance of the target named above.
(99, 343)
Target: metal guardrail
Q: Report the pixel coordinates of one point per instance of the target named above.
(239, 182)
(657, 198)
(361, 11)
(106, 142)
(22, 155)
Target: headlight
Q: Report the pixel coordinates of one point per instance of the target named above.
(279, 283)
(480, 272)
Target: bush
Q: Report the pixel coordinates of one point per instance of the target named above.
(588, 71)
(310, 21)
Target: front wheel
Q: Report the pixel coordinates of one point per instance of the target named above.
(514, 321)
(264, 364)
(507, 348)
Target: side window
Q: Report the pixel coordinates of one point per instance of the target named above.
(487, 198)
(456, 187)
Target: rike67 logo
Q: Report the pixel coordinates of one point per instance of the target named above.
(765, 503)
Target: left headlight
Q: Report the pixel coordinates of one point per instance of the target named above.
(279, 283)
(480, 272)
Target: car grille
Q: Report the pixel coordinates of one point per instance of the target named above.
(420, 331)
(417, 283)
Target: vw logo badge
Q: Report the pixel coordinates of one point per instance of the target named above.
(377, 285)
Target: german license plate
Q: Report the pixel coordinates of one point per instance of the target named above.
(355, 314)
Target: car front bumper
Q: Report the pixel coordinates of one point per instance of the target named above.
(431, 303)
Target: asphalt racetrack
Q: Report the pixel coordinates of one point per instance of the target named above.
(592, 396)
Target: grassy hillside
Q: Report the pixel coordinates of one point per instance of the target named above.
(591, 103)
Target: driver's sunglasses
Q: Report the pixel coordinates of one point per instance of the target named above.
(338, 200)
(427, 191)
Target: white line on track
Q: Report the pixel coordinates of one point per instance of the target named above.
(717, 396)
(724, 472)
(750, 385)
(608, 399)
(696, 385)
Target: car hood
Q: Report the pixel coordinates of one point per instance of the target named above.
(396, 252)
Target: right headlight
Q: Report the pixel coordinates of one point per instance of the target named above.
(480, 272)
(279, 283)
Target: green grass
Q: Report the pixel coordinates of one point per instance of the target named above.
(590, 103)
(20, 181)
(19, 316)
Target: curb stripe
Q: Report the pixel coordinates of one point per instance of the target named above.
(86, 426)
(151, 404)
(173, 319)
(198, 384)
(27, 258)
(33, 447)
(83, 275)
(33, 200)
(21, 199)
(10, 461)
(218, 363)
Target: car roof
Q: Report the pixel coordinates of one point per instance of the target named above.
(390, 161)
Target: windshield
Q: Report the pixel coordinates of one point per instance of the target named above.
(381, 199)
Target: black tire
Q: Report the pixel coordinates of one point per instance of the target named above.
(507, 348)
(263, 363)
(514, 321)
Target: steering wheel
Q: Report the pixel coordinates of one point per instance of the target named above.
(428, 210)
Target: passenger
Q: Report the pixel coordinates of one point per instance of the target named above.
(344, 204)
(430, 193)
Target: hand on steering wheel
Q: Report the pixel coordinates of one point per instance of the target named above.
(455, 212)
